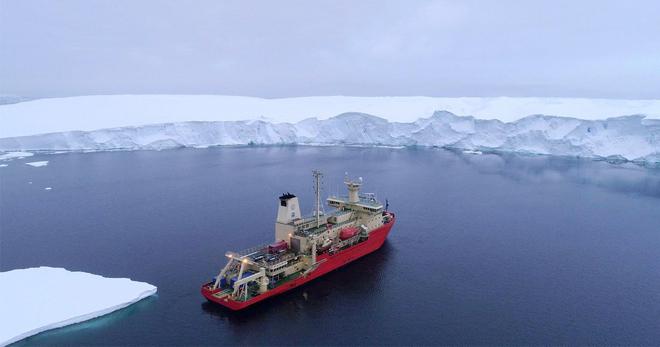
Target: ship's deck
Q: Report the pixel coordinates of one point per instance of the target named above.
(252, 295)
(261, 256)
(364, 200)
(321, 229)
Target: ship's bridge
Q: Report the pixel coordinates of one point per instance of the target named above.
(365, 203)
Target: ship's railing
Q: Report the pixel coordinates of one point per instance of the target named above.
(365, 199)
(252, 250)
(281, 258)
(324, 227)
(311, 231)
(269, 259)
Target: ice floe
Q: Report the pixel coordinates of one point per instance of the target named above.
(38, 163)
(15, 155)
(38, 299)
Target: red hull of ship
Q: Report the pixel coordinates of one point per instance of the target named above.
(327, 264)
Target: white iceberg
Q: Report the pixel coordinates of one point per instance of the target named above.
(38, 163)
(39, 299)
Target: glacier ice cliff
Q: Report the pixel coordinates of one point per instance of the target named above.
(632, 138)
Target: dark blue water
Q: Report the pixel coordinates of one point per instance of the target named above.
(486, 250)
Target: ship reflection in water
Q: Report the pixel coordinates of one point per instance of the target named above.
(488, 249)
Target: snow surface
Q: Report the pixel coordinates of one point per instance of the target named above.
(38, 163)
(39, 299)
(15, 155)
(629, 137)
(109, 111)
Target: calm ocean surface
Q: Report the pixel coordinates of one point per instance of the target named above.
(487, 249)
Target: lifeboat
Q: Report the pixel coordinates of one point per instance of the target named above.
(347, 233)
(277, 246)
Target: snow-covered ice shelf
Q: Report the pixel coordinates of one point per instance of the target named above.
(95, 112)
(39, 299)
(599, 128)
(632, 138)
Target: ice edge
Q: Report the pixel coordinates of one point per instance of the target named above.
(84, 317)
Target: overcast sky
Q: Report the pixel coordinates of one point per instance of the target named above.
(299, 48)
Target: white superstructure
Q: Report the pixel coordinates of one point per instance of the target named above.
(300, 240)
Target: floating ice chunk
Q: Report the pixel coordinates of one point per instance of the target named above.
(472, 151)
(15, 155)
(3, 165)
(39, 299)
(38, 163)
(48, 188)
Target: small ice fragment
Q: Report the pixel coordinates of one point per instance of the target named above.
(38, 163)
(472, 151)
(15, 155)
(48, 188)
(3, 165)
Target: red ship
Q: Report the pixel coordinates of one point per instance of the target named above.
(304, 248)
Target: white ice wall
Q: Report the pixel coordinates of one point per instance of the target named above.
(109, 111)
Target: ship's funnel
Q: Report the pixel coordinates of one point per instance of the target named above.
(289, 208)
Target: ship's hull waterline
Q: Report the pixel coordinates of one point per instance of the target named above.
(326, 261)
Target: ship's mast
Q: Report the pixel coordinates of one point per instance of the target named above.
(317, 190)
